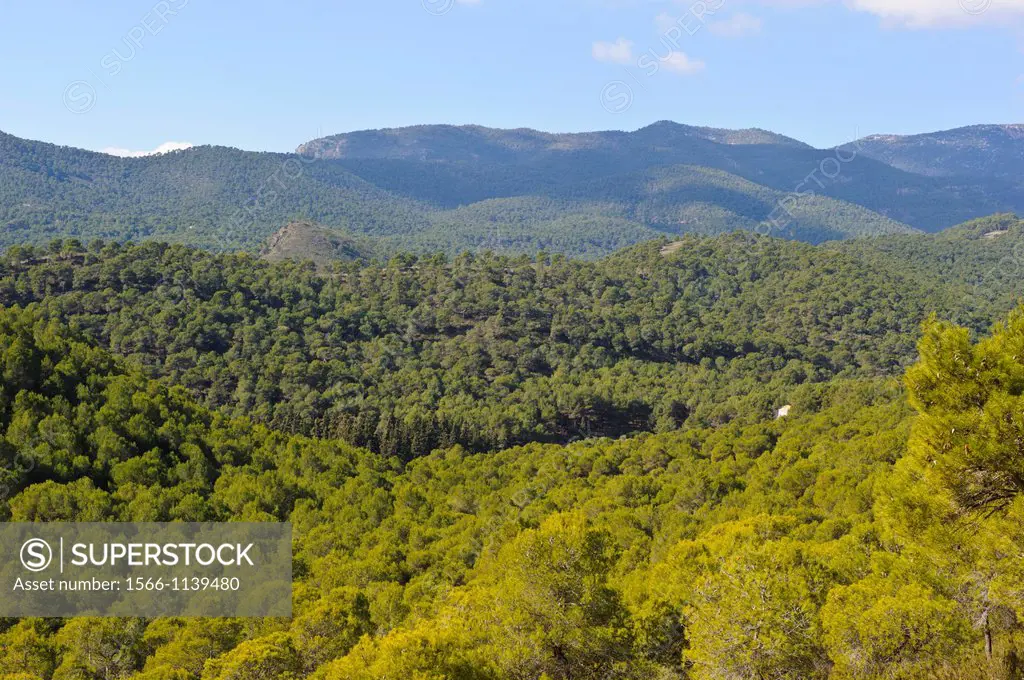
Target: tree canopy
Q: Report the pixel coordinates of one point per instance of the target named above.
(873, 532)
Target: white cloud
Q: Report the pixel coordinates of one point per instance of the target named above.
(678, 62)
(738, 25)
(666, 22)
(163, 148)
(918, 13)
(927, 13)
(618, 52)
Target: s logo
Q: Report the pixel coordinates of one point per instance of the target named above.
(36, 554)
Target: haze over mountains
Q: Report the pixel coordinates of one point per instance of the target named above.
(978, 150)
(454, 188)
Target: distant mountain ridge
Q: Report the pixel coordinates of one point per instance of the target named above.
(992, 150)
(472, 142)
(453, 188)
(468, 164)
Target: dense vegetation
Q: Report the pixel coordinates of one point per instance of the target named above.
(454, 189)
(451, 166)
(554, 469)
(213, 197)
(853, 539)
(985, 256)
(487, 351)
(974, 151)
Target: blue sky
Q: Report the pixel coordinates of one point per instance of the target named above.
(135, 74)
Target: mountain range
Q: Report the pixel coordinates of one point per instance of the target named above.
(978, 150)
(456, 188)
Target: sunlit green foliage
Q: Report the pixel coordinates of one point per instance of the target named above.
(865, 535)
(485, 351)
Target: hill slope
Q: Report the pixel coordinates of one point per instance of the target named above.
(845, 540)
(449, 166)
(975, 151)
(452, 189)
(473, 142)
(981, 258)
(489, 351)
(308, 241)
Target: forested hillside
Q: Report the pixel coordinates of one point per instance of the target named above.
(978, 150)
(985, 256)
(720, 457)
(489, 351)
(214, 197)
(452, 166)
(452, 402)
(856, 538)
(441, 188)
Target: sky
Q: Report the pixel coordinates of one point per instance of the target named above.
(134, 76)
